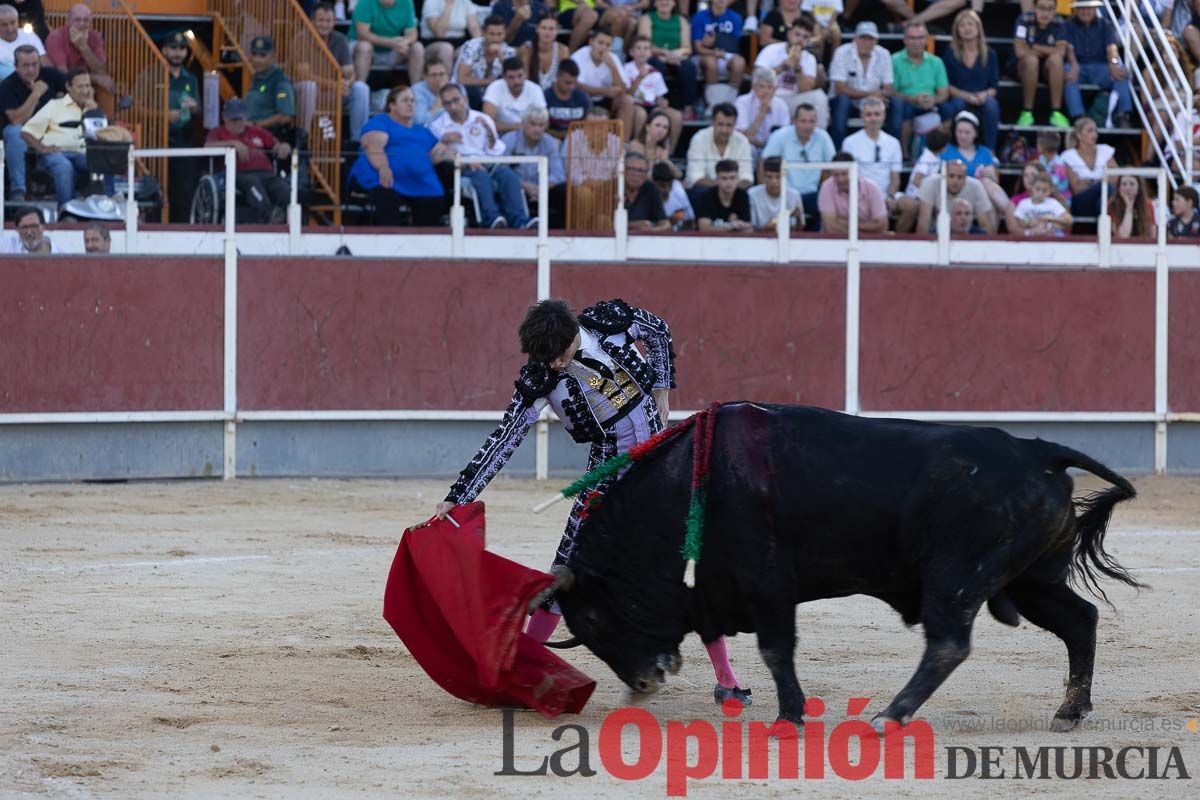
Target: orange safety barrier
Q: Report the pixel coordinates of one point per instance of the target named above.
(137, 67)
(595, 149)
(317, 79)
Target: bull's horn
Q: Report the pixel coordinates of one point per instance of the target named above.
(564, 644)
(563, 578)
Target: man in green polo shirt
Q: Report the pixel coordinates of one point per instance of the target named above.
(270, 103)
(919, 83)
(183, 92)
(384, 33)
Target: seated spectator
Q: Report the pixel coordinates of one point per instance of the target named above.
(544, 52)
(271, 101)
(802, 142)
(565, 101)
(1130, 210)
(427, 99)
(31, 234)
(396, 164)
(357, 95)
(833, 201)
(1040, 51)
(481, 60)
(55, 133)
(648, 87)
(603, 79)
(798, 76)
(717, 143)
(471, 133)
(715, 34)
(674, 196)
(1039, 214)
(958, 184)
(860, 69)
(827, 34)
(759, 112)
(1048, 143)
(1191, 32)
(725, 205)
(973, 72)
(96, 239)
(262, 190)
(384, 33)
(1028, 175)
(962, 219)
(1094, 57)
(506, 100)
(778, 21)
(766, 197)
(446, 24)
(1086, 159)
(532, 140)
(1185, 220)
(934, 10)
(643, 203)
(23, 94)
(522, 18)
(654, 142)
(621, 17)
(77, 45)
(929, 163)
(12, 37)
(920, 85)
(981, 164)
(877, 152)
(670, 36)
(580, 17)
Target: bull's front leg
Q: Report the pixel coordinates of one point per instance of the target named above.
(777, 643)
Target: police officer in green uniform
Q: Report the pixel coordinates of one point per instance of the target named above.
(270, 103)
(183, 103)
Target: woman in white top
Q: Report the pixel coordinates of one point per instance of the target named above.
(1086, 162)
(446, 24)
(541, 56)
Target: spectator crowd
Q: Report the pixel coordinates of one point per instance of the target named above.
(763, 87)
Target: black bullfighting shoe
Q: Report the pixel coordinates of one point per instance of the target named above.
(723, 693)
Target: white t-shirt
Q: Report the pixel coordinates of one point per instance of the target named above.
(591, 74)
(775, 54)
(847, 67)
(875, 166)
(1027, 209)
(650, 89)
(928, 164)
(23, 37)
(823, 10)
(456, 28)
(677, 200)
(509, 109)
(474, 130)
(1073, 160)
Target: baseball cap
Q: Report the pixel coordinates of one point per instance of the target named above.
(867, 28)
(176, 39)
(235, 108)
(262, 44)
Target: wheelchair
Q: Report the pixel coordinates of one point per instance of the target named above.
(208, 201)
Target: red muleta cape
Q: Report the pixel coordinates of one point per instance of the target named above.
(460, 610)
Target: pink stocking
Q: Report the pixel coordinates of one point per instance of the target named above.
(542, 624)
(720, 661)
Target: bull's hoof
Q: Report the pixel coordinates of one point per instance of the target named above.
(723, 693)
(786, 728)
(879, 723)
(1063, 724)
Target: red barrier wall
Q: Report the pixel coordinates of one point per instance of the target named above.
(110, 334)
(138, 334)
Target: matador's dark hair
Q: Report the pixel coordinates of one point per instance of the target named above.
(548, 330)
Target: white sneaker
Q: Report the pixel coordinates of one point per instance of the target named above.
(499, 222)
(533, 223)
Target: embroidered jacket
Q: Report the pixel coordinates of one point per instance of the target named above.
(607, 332)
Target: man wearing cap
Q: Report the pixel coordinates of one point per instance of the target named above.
(1094, 57)
(262, 189)
(22, 94)
(56, 134)
(859, 69)
(270, 103)
(183, 91)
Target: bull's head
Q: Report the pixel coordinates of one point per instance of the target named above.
(642, 650)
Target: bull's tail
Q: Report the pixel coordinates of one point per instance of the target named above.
(1090, 560)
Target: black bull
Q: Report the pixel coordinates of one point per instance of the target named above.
(805, 504)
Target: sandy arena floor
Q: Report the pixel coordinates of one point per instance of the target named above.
(207, 639)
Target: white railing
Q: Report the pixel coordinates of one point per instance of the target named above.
(1144, 45)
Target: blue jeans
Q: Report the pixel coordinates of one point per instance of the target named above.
(839, 118)
(689, 79)
(64, 166)
(988, 113)
(1097, 74)
(14, 156)
(899, 112)
(359, 95)
(500, 184)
